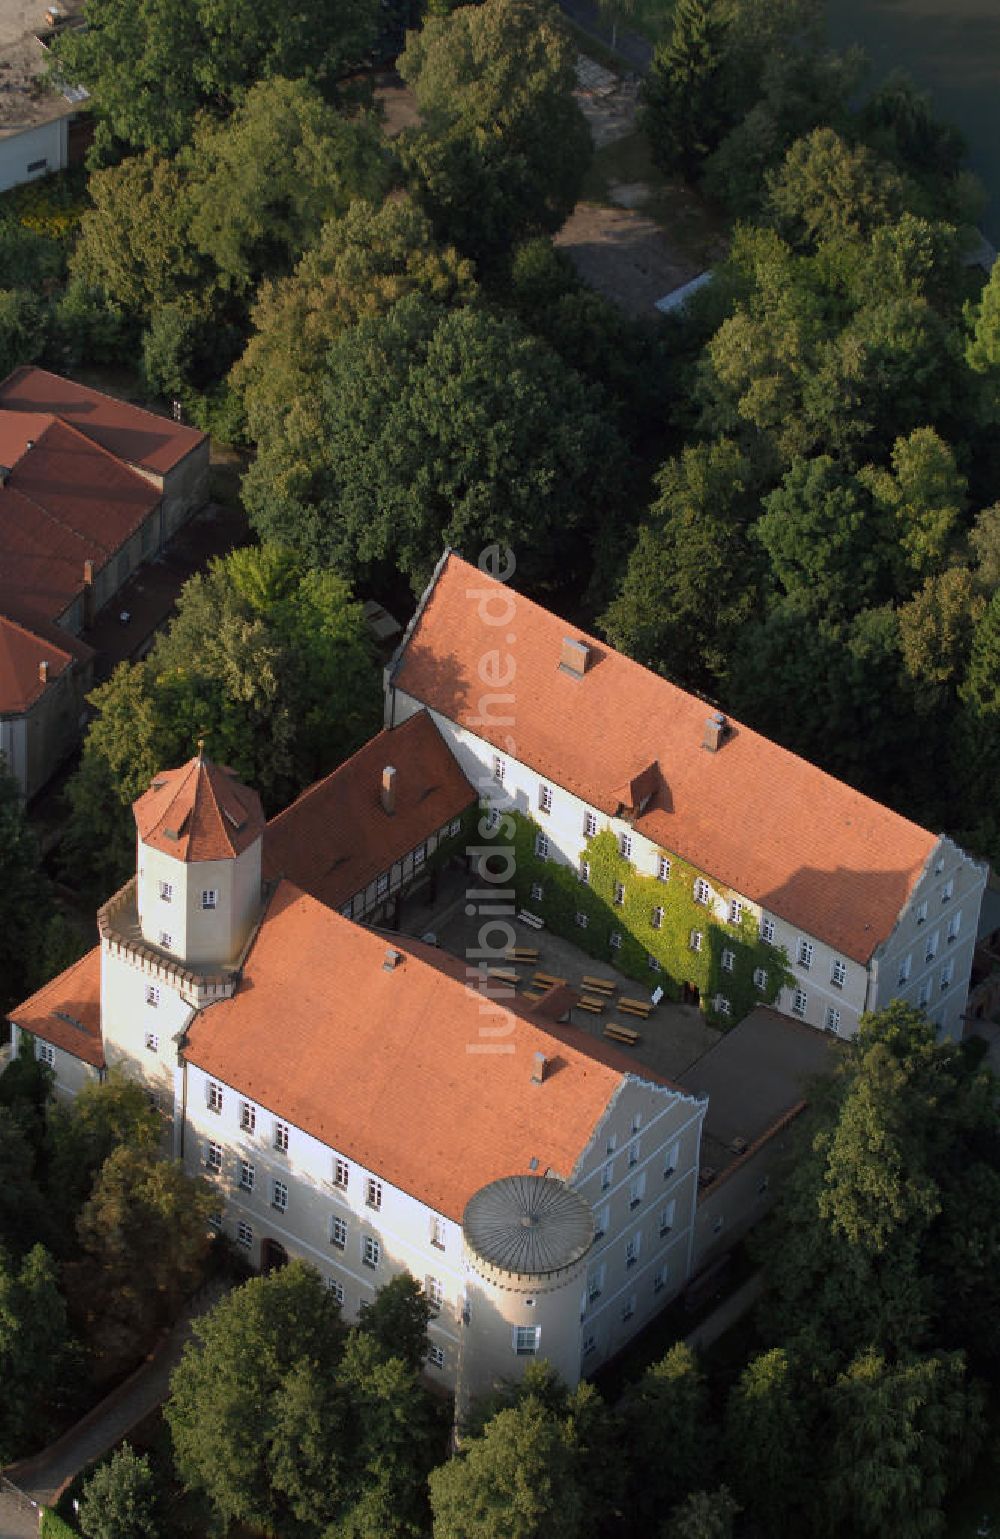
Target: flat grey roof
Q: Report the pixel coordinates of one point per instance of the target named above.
(756, 1072)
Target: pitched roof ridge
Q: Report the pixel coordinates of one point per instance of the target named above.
(606, 647)
(6, 619)
(206, 796)
(46, 988)
(318, 786)
(92, 444)
(395, 662)
(24, 369)
(85, 540)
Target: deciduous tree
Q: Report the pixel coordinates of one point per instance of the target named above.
(693, 578)
(517, 1480)
(144, 1236)
(827, 189)
(666, 1428)
(271, 663)
(153, 66)
(121, 1499)
(503, 146)
(768, 1446)
(360, 265)
(262, 183)
(442, 428)
(33, 1348)
(331, 1432)
(902, 1435)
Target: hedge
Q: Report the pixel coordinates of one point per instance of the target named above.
(52, 1526)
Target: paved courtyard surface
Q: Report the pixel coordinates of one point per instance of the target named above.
(674, 1037)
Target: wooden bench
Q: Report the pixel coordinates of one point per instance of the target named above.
(594, 1005)
(637, 1007)
(621, 1034)
(522, 954)
(531, 920)
(546, 980)
(598, 985)
(505, 974)
(534, 994)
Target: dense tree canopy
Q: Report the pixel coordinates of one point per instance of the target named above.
(263, 183)
(33, 1345)
(35, 940)
(537, 1460)
(152, 66)
(693, 577)
(855, 1250)
(144, 1235)
(269, 662)
(502, 146)
(442, 427)
(360, 265)
(331, 1433)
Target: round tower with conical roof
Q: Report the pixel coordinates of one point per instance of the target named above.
(526, 1240)
(198, 863)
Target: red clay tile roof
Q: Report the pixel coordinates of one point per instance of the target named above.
(382, 1064)
(67, 1011)
(132, 434)
(199, 812)
(336, 838)
(21, 653)
(755, 817)
(17, 430)
(65, 502)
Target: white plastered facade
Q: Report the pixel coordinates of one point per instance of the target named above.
(829, 989)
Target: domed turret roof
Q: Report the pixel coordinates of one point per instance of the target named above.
(528, 1224)
(199, 812)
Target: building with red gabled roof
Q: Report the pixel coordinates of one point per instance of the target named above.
(169, 454)
(370, 1104)
(362, 837)
(866, 905)
(90, 488)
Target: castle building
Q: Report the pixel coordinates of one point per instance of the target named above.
(371, 1103)
(851, 904)
(355, 1102)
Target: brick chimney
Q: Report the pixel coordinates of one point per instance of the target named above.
(388, 790)
(715, 732)
(574, 657)
(43, 673)
(88, 592)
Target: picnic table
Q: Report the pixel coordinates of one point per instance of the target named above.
(639, 1007)
(624, 1035)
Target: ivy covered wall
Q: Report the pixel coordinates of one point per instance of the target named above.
(618, 899)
